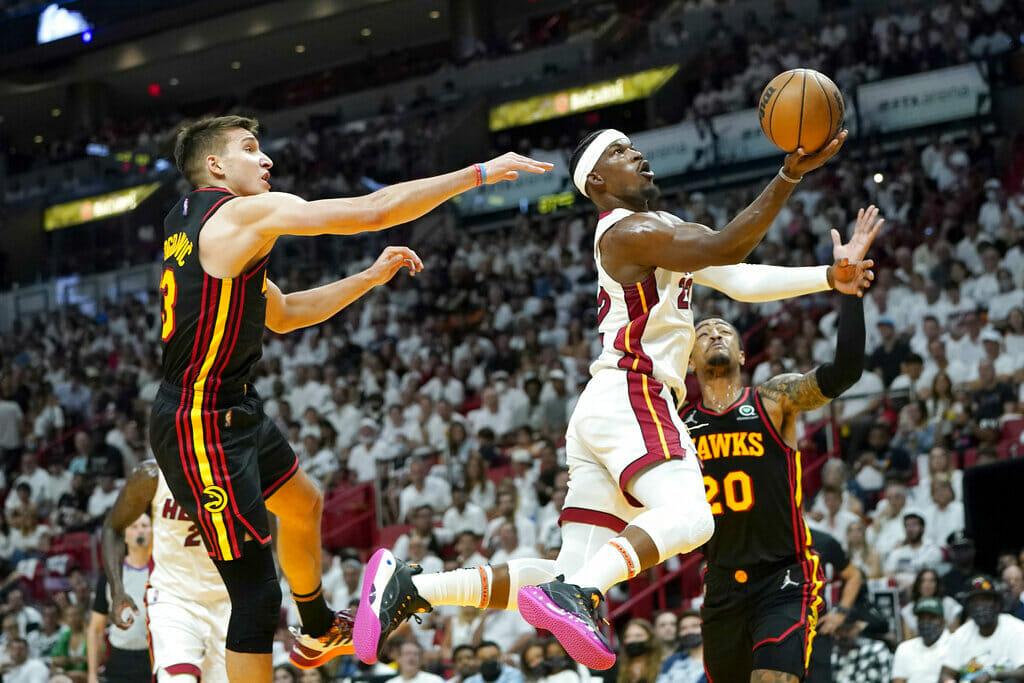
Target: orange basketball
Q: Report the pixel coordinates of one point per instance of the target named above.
(801, 108)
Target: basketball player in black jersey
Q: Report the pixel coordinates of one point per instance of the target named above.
(763, 582)
(224, 460)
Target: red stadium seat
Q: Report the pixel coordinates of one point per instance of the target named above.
(78, 545)
(1011, 431)
(970, 458)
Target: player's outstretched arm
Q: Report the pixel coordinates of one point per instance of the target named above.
(646, 240)
(275, 213)
(287, 312)
(132, 501)
(850, 274)
(794, 393)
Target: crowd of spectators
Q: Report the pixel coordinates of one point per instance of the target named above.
(450, 393)
(425, 385)
(852, 47)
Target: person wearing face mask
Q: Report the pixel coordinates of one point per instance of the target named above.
(492, 669)
(686, 664)
(640, 653)
(988, 647)
(919, 660)
(559, 665)
(539, 668)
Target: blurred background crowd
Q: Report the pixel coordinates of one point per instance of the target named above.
(444, 399)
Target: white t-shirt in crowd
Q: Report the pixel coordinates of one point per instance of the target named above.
(421, 677)
(436, 493)
(472, 518)
(31, 671)
(917, 663)
(905, 559)
(100, 501)
(1001, 651)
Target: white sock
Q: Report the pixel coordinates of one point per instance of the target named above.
(527, 572)
(464, 587)
(615, 561)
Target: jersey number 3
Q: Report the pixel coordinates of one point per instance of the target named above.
(739, 492)
(169, 291)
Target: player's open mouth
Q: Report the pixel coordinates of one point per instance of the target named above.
(266, 177)
(645, 169)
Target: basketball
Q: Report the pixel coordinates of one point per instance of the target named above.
(801, 108)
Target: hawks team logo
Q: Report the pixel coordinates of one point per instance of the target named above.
(214, 499)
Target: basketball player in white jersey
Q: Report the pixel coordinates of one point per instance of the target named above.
(636, 494)
(187, 605)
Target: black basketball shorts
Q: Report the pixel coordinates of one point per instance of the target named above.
(222, 459)
(760, 619)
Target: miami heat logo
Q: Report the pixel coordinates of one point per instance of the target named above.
(214, 499)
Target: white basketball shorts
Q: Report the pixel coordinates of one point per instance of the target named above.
(186, 637)
(623, 422)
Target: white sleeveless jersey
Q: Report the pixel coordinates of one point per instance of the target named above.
(646, 327)
(182, 566)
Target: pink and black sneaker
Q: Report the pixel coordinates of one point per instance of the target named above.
(570, 613)
(389, 598)
(309, 652)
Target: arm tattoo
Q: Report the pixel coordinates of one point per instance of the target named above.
(766, 676)
(800, 392)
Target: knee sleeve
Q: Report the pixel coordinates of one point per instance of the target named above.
(527, 572)
(579, 543)
(677, 516)
(251, 582)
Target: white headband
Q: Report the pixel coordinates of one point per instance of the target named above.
(590, 156)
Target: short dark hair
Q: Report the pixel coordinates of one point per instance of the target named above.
(198, 139)
(460, 648)
(580, 148)
(487, 643)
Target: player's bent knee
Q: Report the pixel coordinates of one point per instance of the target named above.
(251, 582)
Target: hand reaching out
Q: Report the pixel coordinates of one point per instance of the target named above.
(864, 232)
(508, 166)
(851, 274)
(392, 260)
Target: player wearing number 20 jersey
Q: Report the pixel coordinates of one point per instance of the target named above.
(763, 583)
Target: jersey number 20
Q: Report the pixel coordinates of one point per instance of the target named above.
(169, 291)
(738, 494)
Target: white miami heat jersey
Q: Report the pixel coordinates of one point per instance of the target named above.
(646, 327)
(182, 566)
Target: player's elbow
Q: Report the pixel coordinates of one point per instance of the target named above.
(279, 320)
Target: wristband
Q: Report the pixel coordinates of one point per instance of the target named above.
(782, 174)
(845, 611)
(481, 174)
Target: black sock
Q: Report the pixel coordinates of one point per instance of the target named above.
(316, 616)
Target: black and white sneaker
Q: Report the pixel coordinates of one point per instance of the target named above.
(389, 598)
